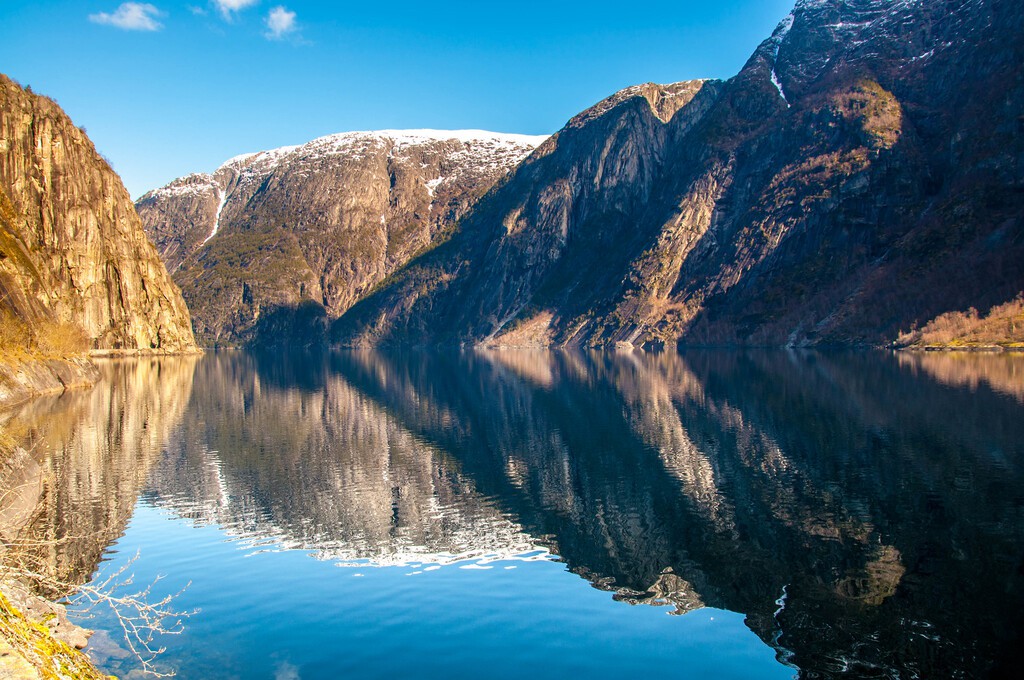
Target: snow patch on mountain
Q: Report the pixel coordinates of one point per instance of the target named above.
(194, 185)
(362, 142)
(481, 152)
(780, 33)
(216, 220)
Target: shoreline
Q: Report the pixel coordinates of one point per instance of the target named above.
(37, 640)
(983, 349)
(23, 378)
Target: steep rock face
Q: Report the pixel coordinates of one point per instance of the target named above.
(271, 243)
(558, 233)
(72, 249)
(861, 174)
(879, 186)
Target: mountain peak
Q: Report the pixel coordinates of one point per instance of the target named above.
(348, 142)
(664, 100)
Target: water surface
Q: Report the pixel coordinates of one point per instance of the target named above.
(708, 514)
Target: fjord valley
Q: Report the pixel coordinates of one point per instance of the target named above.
(859, 177)
(583, 403)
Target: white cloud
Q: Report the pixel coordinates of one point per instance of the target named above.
(280, 23)
(131, 16)
(229, 7)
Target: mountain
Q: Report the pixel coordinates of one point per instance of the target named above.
(73, 246)
(273, 244)
(862, 174)
(77, 273)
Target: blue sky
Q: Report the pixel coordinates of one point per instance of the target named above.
(166, 87)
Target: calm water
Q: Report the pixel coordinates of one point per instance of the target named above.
(495, 514)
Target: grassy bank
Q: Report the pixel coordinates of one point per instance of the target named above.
(28, 649)
(1002, 328)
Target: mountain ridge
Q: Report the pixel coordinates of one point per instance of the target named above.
(818, 200)
(861, 175)
(318, 224)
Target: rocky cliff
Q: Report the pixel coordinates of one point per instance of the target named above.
(73, 247)
(559, 233)
(863, 173)
(273, 244)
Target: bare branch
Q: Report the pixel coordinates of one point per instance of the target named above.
(143, 621)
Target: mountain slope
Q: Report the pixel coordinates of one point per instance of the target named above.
(861, 174)
(273, 243)
(557, 234)
(73, 257)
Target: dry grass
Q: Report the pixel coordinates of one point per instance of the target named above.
(44, 340)
(1003, 326)
(33, 642)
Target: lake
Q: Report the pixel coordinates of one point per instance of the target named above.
(706, 514)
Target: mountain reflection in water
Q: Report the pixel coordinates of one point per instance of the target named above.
(291, 453)
(86, 456)
(865, 512)
(865, 518)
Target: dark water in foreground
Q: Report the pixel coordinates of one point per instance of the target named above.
(495, 514)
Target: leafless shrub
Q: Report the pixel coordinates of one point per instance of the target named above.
(143, 619)
(26, 558)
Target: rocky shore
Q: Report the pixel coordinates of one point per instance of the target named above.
(24, 378)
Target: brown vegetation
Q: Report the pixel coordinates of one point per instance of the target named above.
(43, 340)
(1003, 326)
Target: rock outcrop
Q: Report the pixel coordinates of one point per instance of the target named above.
(73, 255)
(25, 377)
(862, 174)
(274, 244)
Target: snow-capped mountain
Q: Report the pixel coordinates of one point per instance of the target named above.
(859, 176)
(322, 222)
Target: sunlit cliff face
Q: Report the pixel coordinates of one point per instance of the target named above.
(83, 257)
